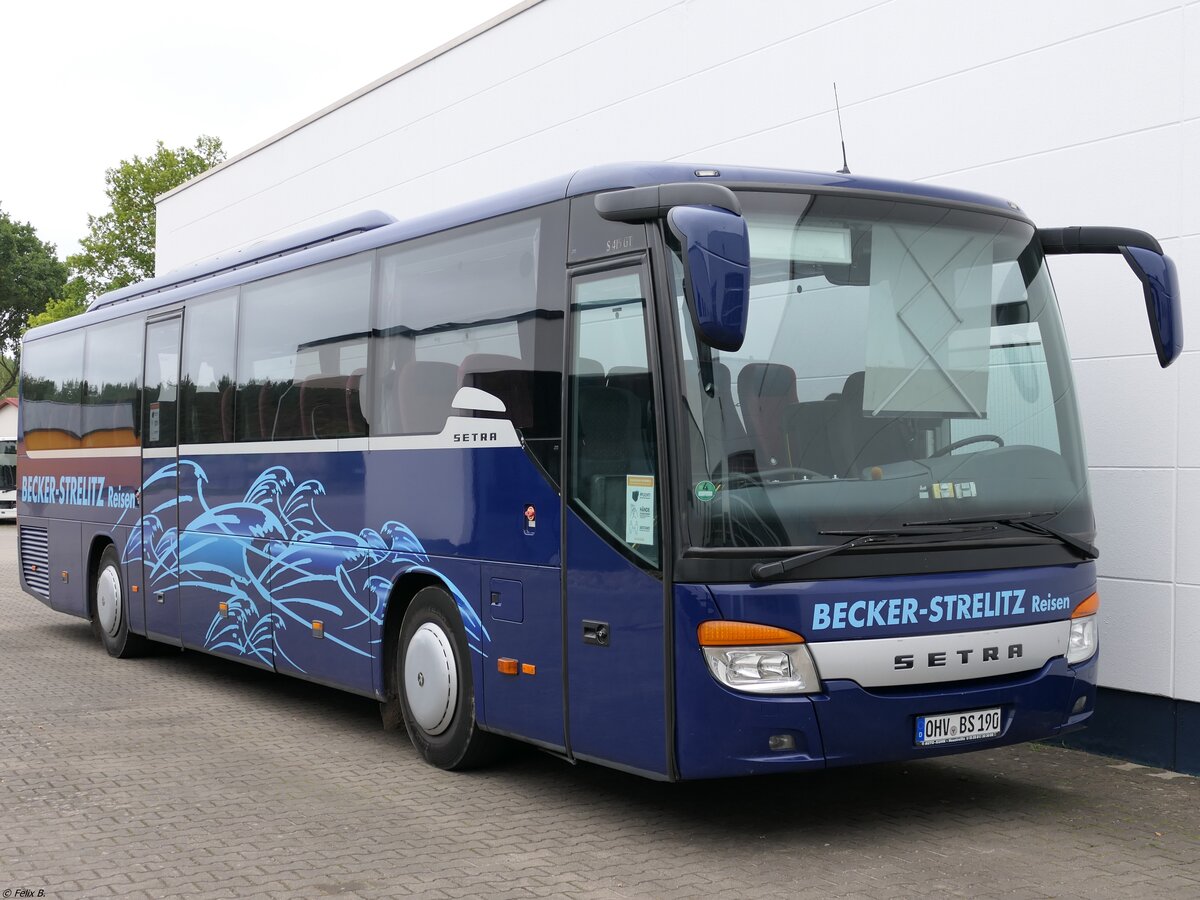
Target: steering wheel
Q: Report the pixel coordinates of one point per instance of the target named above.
(964, 442)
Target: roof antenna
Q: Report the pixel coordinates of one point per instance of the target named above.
(845, 169)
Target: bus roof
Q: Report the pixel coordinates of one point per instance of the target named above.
(372, 229)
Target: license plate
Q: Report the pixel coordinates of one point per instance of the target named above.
(951, 728)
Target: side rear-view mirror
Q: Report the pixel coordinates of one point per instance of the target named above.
(1160, 284)
(1156, 271)
(716, 259)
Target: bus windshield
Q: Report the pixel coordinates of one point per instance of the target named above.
(904, 363)
(8, 465)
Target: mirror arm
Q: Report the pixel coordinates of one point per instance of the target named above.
(1094, 239)
(654, 202)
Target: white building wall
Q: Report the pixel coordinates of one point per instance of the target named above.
(1082, 112)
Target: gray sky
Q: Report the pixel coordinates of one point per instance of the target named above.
(84, 85)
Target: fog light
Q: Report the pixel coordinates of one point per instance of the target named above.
(781, 742)
(1080, 705)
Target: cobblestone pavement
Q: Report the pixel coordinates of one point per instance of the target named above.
(183, 774)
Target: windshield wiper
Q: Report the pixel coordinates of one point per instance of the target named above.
(763, 571)
(1022, 522)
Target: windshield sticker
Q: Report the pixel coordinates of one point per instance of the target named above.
(947, 490)
(706, 491)
(639, 509)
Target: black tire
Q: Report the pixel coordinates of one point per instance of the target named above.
(438, 705)
(110, 609)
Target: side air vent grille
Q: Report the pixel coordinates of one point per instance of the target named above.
(35, 559)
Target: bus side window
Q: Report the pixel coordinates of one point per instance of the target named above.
(303, 342)
(613, 449)
(473, 307)
(206, 393)
(160, 394)
(112, 367)
(51, 392)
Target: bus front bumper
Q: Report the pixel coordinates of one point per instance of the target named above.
(725, 733)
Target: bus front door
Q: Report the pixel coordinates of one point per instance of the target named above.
(160, 479)
(614, 604)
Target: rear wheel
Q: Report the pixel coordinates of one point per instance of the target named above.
(432, 678)
(110, 611)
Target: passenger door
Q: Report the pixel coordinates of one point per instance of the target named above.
(160, 479)
(614, 605)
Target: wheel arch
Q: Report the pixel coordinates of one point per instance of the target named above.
(99, 544)
(404, 588)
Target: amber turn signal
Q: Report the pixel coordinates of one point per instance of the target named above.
(743, 634)
(1088, 607)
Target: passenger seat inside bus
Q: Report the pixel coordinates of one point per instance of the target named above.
(766, 392)
(506, 378)
(806, 430)
(279, 411)
(328, 404)
(421, 397)
(636, 381)
(738, 451)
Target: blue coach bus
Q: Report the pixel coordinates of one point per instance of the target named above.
(689, 472)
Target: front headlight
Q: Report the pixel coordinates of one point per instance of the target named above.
(1084, 630)
(758, 659)
(1082, 643)
(764, 670)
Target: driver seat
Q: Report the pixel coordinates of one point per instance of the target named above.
(766, 392)
(858, 440)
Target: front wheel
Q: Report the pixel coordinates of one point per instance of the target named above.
(432, 677)
(110, 611)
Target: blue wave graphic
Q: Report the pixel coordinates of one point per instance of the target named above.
(274, 561)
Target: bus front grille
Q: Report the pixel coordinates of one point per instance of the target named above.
(35, 559)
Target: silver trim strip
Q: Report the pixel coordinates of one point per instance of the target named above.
(85, 453)
(940, 658)
(160, 452)
(231, 448)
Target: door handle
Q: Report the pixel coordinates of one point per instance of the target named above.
(595, 633)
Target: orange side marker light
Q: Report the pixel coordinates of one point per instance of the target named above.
(507, 666)
(528, 669)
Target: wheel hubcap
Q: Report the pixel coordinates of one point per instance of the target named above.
(108, 600)
(430, 678)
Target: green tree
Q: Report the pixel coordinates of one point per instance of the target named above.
(119, 247)
(30, 275)
(72, 303)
